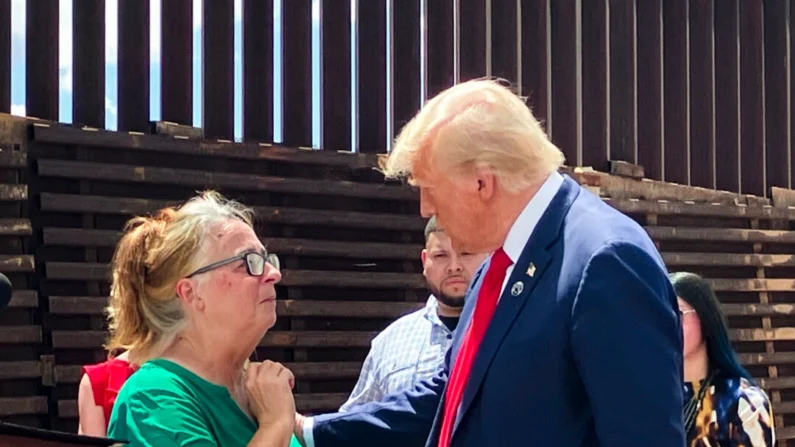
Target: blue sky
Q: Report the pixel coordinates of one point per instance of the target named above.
(111, 32)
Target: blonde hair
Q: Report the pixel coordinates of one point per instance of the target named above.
(154, 253)
(478, 123)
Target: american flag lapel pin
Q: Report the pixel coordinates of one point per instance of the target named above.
(531, 270)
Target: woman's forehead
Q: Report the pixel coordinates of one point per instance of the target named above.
(233, 237)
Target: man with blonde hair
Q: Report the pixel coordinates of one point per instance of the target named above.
(570, 334)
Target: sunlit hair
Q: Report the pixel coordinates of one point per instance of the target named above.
(697, 292)
(153, 254)
(478, 123)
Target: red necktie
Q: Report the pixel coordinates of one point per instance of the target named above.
(484, 309)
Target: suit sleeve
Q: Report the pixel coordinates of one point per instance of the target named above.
(398, 420)
(627, 345)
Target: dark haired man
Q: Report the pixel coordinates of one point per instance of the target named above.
(412, 348)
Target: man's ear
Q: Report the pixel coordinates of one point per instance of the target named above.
(486, 182)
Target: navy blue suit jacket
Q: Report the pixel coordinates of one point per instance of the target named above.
(588, 354)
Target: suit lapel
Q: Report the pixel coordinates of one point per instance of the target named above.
(515, 296)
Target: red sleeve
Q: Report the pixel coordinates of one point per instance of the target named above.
(98, 376)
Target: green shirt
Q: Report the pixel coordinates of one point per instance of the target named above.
(165, 405)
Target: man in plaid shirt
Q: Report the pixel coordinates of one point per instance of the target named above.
(413, 347)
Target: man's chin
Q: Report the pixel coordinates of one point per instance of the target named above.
(452, 302)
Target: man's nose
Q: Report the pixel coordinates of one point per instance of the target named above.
(455, 264)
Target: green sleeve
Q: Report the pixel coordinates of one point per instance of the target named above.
(161, 418)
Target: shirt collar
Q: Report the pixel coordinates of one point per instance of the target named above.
(431, 312)
(524, 225)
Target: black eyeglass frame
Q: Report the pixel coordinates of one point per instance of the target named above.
(269, 258)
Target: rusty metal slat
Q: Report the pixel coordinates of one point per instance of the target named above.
(504, 40)
(472, 34)
(752, 285)
(293, 216)
(20, 334)
(13, 159)
(17, 263)
(623, 89)
(596, 104)
(95, 305)
(88, 63)
(764, 358)
(41, 58)
(752, 112)
(257, 70)
(155, 143)
(721, 235)
(296, 66)
(29, 369)
(90, 271)
(677, 85)
(218, 83)
(728, 259)
(201, 179)
(336, 51)
(24, 299)
(372, 92)
(87, 339)
(536, 59)
(773, 334)
(758, 310)
(17, 406)
(439, 31)
(727, 85)
(700, 209)
(776, 82)
(566, 129)
(405, 62)
(133, 65)
(281, 246)
(649, 89)
(176, 61)
(5, 56)
(702, 93)
(13, 193)
(15, 227)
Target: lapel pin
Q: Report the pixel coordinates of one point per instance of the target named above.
(531, 270)
(517, 288)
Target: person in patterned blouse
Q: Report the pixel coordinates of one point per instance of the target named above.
(724, 407)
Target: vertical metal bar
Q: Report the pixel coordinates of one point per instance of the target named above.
(677, 91)
(336, 74)
(727, 101)
(776, 93)
(702, 95)
(622, 137)
(373, 94)
(440, 46)
(41, 58)
(296, 69)
(88, 63)
(218, 68)
(752, 105)
(473, 42)
(504, 40)
(536, 58)
(565, 78)
(5, 56)
(176, 56)
(258, 70)
(596, 83)
(133, 66)
(456, 41)
(406, 67)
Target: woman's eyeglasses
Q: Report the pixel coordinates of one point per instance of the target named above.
(255, 263)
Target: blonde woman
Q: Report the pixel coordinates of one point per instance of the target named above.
(192, 295)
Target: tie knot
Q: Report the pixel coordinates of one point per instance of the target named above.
(500, 260)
